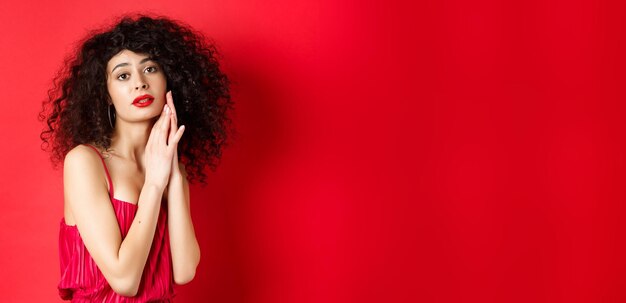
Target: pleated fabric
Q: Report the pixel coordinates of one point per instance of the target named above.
(82, 280)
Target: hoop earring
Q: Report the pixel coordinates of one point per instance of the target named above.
(111, 119)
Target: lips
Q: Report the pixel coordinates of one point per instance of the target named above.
(143, 101)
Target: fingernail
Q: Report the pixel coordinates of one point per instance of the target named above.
(167, 109)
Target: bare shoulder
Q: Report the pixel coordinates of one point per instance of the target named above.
(83, 165)
(81, 156)
(83, 177)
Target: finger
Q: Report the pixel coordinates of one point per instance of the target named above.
(157, 124)
(165, 124)
(178, 135)
(173, 128)
(173, 142)
(160, 129)
(170, 103)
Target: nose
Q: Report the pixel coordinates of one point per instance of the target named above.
(141, 83)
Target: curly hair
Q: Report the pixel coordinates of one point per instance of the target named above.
(76, 111)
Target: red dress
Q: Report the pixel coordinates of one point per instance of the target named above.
(82, 280)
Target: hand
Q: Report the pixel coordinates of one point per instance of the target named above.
(175, 172)
(160, 149)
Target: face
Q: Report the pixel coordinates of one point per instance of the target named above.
(136, 85)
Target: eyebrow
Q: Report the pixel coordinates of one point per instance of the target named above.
(125, 63)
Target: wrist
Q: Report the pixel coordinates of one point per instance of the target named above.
(153, 186)
(176, 175)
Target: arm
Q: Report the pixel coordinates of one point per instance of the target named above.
(183, 243)
(121, 262)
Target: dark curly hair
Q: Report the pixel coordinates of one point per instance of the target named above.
(76, 111)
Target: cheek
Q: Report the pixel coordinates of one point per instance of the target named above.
(115, 91)
(162, 83)
(159, 87)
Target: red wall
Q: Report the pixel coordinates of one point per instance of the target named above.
(443, 151)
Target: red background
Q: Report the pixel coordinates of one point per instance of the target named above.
(442, 151)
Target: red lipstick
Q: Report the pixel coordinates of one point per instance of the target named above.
(143, 100)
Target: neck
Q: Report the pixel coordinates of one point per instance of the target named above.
(130, 138)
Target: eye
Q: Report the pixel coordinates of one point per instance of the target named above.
(122, 77)
(151, 69)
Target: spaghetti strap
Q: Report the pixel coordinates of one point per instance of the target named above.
(105, 170)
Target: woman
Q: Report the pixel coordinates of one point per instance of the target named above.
(113, 120)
